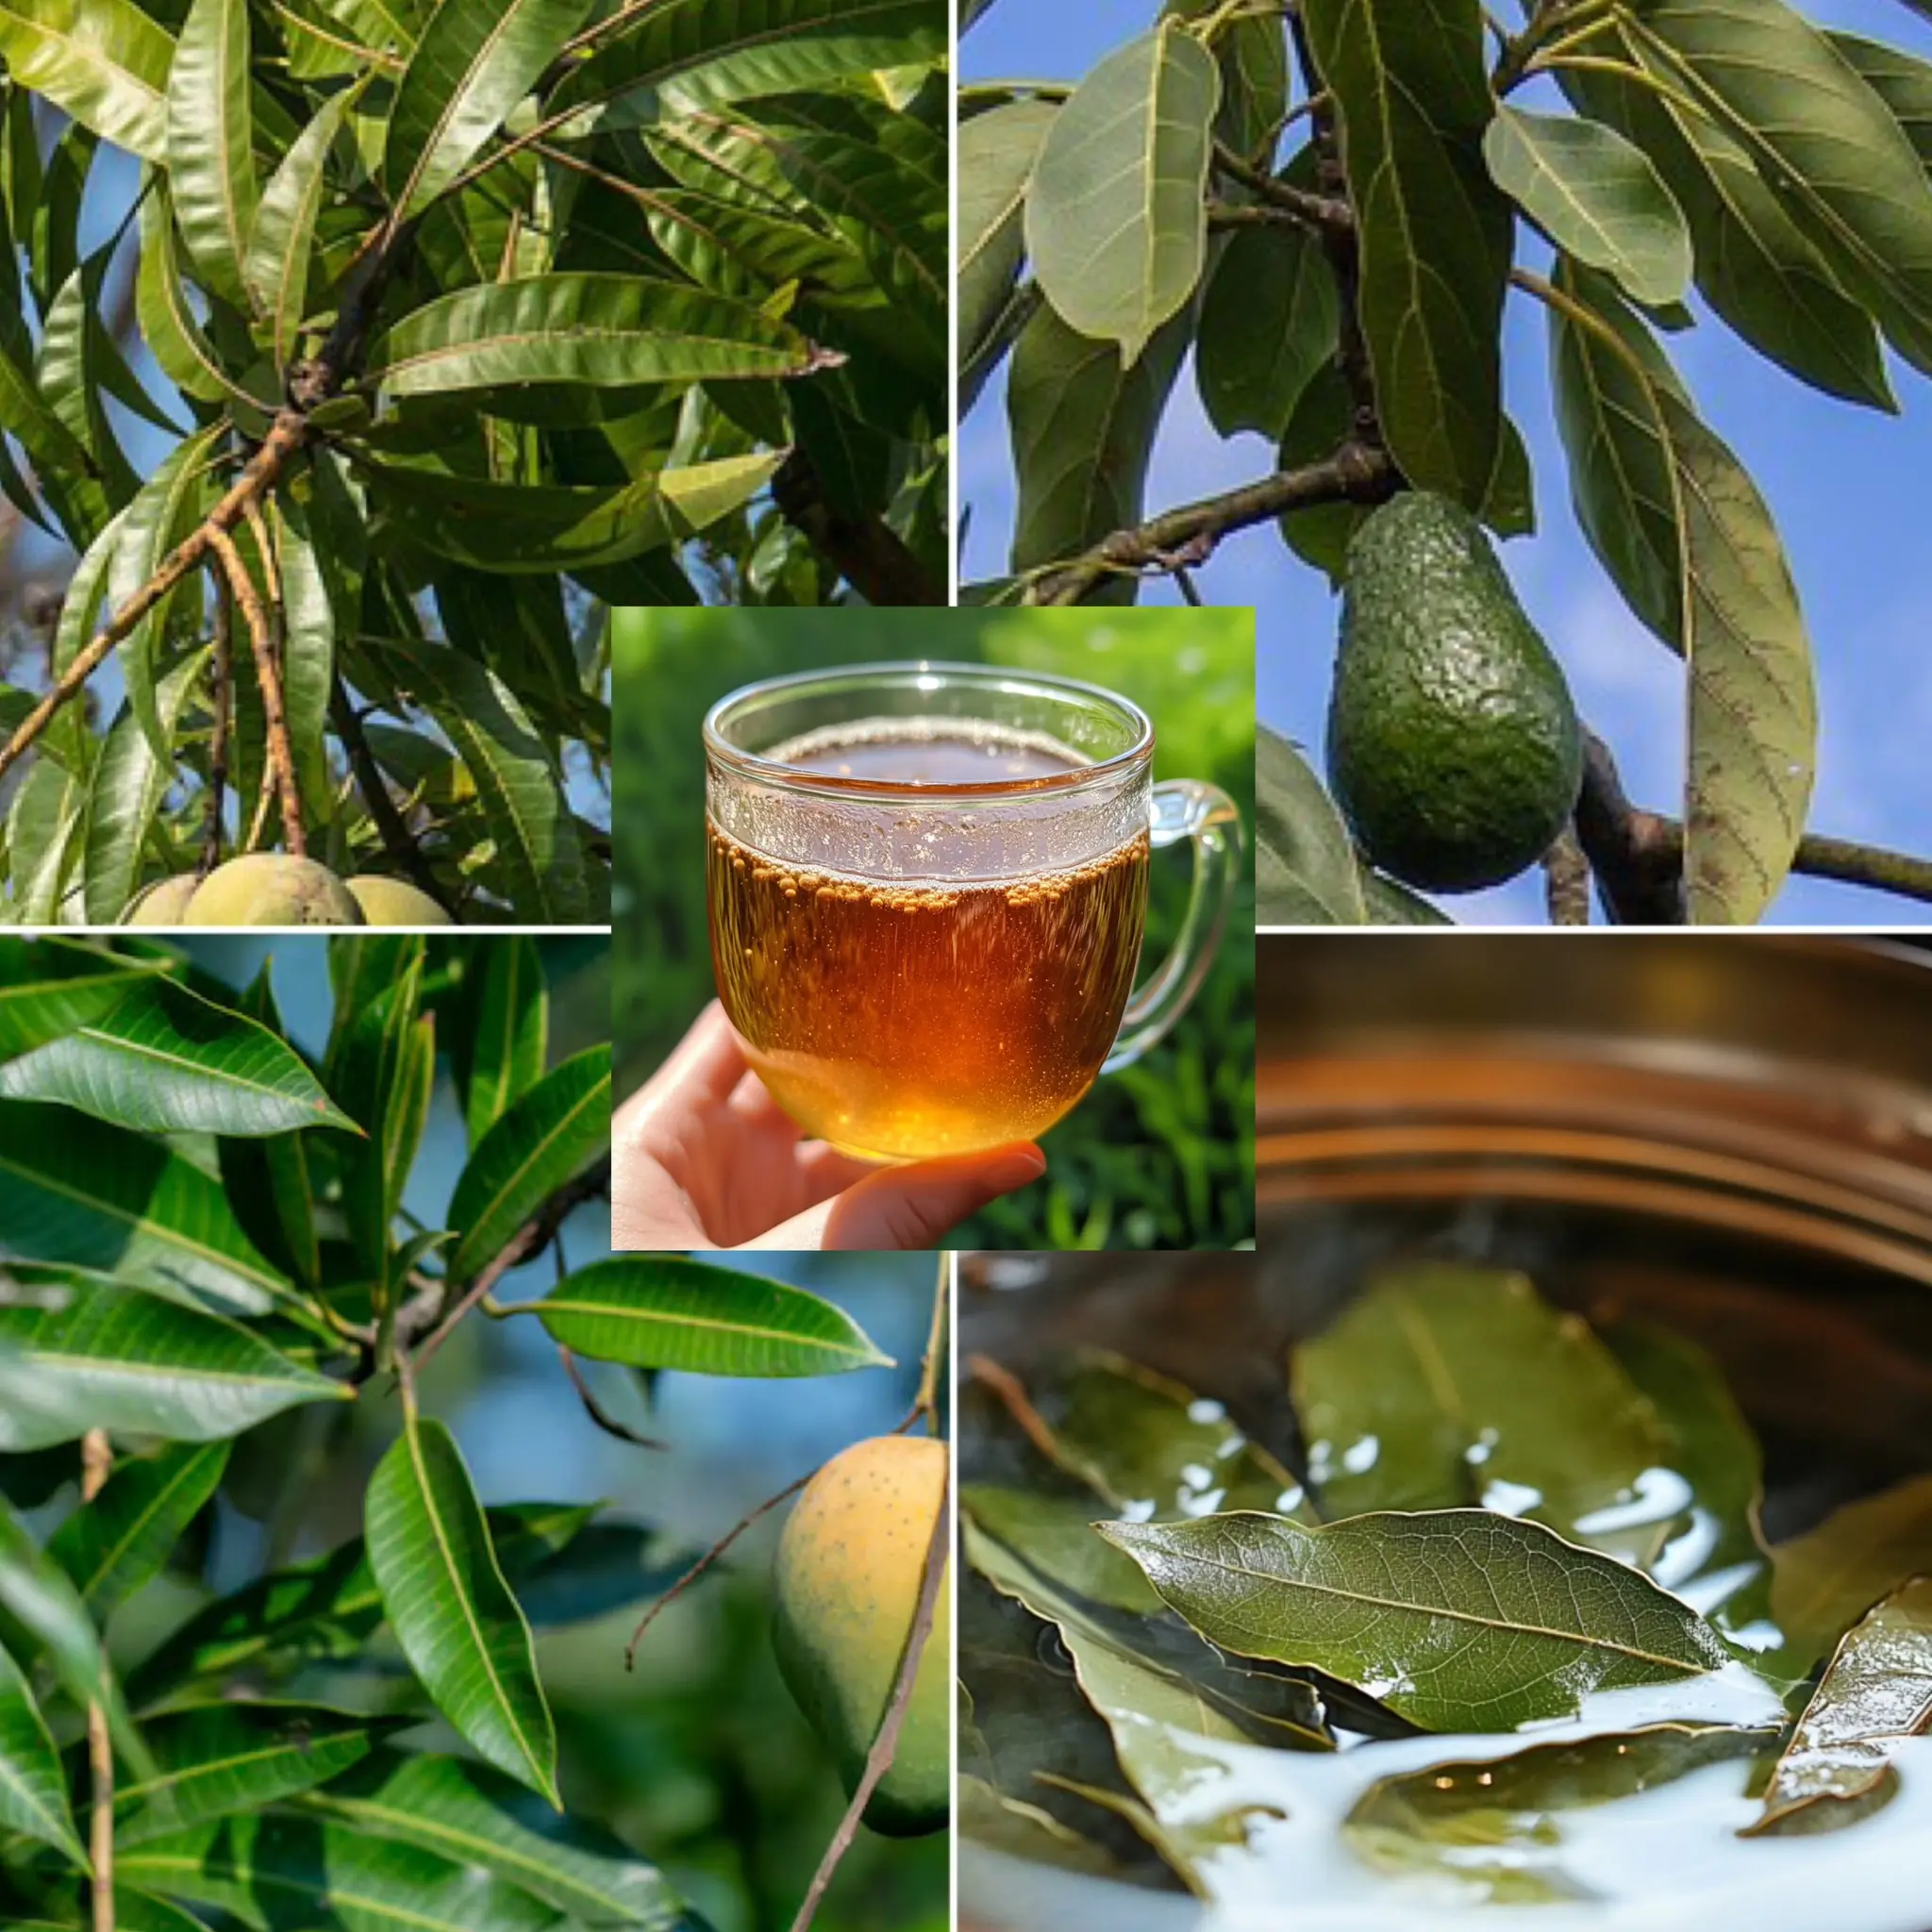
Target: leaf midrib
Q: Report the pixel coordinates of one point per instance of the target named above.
(554, 1304)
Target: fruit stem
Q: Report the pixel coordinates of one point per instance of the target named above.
(927, 1403)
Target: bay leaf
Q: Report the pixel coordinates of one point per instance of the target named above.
(1442, 1387)
(1457, 1618)
(1824, 1581)
(1439, 1821)
(1875, 1692)
(1055, 1535)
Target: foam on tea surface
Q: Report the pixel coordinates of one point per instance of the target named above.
(929, 751)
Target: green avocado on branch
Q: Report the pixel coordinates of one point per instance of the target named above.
(1453, 748)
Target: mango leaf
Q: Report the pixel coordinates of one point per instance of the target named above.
(1442, 1387)
(49, 987)
(1687, 537)
(1484, 1824)
(309, 652)
(1458, 1620)
(275, 1870)
(373, 1080)
(112, 1359)
(1117, 212)
(103, 62)
(78, 1192)
(1413, 102)
(113, 1546)
(662, 1311)
(450, 1607)
(596, 329)
(997, 150)
(210, 139)
(1822, 140)
(216, 1760)
(544, 1138)
(1875, 1693)
(166, 1061)
(33, 1793)
(1596, 196)
(1824, 1581)
(169, 326)
(1305, 867)
(507, 1046)
(276, 262)
(477, 60)
(473, 1816)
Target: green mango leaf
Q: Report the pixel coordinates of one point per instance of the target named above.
(477, 60)
(997, 151)
(1688, 540)
(50, 986)
(1413, 102)
(270, 1182)
(169, 326)
(1305, 867)
(210, 138)
(1824, 1581)
(78, 1192)
(1443, 1387)
(113, 1546)
(33, 1793)
(508, 1044)
(1596, 196)
(113, 1359)
(1117, 213)
(217, 1761)
(596, 329)
(546, 1139)
(166, 1061)
(309, 650)
(374, 1080)
(1875, 1693)
(277, 259)
(1458, 1620)
(450, 1607)
(103, 62)
(663, 1311)
(1083, 430)
(277, 1870)
(1484, 1824)
(473, 1816)
(1269, 325)
(1821, 138)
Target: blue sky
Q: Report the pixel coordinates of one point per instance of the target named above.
(1848, 488)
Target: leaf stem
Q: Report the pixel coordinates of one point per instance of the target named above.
(97, 1461)
(938, 1339)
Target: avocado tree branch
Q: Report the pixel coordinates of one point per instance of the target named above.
(391, 826)
(1323, 213)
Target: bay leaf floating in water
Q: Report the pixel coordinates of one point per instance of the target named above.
(1824, 1581)
(1438, 1821)
(1442, 1387)
(1055, 1535)
(1875, 1693)
(1457, 1618)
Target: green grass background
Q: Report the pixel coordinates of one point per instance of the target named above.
(1159, 1156)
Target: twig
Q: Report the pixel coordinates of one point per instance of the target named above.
(272, 590)
(595, 1409)
(391, 826)
(1566, 881)
(866, 551)
(1322, 213)
(281, 757)
(223, 672)
(879, 1759)
(96, 1460)
(531, 1238)
(1356, 473)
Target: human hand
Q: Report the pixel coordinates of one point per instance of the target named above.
(705, 1157)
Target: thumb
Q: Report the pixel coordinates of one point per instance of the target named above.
(910, 1206)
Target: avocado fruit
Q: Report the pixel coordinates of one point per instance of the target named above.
(1453, 747)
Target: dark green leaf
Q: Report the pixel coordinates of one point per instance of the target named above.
(508, 1044)
(112, 1547)
(1458, 1620)
(1824, 1581)
(1306, 869)
(1057, 1537)
(49, 987)
(276, 262)
(1901, 80)
(33, 1793)
(997, 151)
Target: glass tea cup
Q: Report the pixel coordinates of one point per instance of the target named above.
(928, 889)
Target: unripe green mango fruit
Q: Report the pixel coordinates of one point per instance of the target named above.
(848, 1575)
(271, 888)
(164, 903)
(395, 902)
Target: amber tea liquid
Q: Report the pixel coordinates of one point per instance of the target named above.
(904, 1019)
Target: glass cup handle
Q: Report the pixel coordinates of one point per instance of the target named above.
(1205, 814)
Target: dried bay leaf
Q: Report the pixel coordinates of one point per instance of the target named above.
(1875, 1692)
(1824, 1581)
(1442, 1387)
(1457, 1618)
(1437, 1822)
(1055, 1535)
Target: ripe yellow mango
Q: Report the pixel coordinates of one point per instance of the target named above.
(848, 1575)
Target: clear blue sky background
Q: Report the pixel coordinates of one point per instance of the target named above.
(1849, 488)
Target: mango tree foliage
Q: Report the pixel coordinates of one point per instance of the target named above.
(1325, 210)
(210, 1294)
(401, 341)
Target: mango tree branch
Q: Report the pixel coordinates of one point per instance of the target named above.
(222, 700)
(391, 826)
(281, 756)
(866, 552)
(96, 1460)
(1356, 473)
(272, 768)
